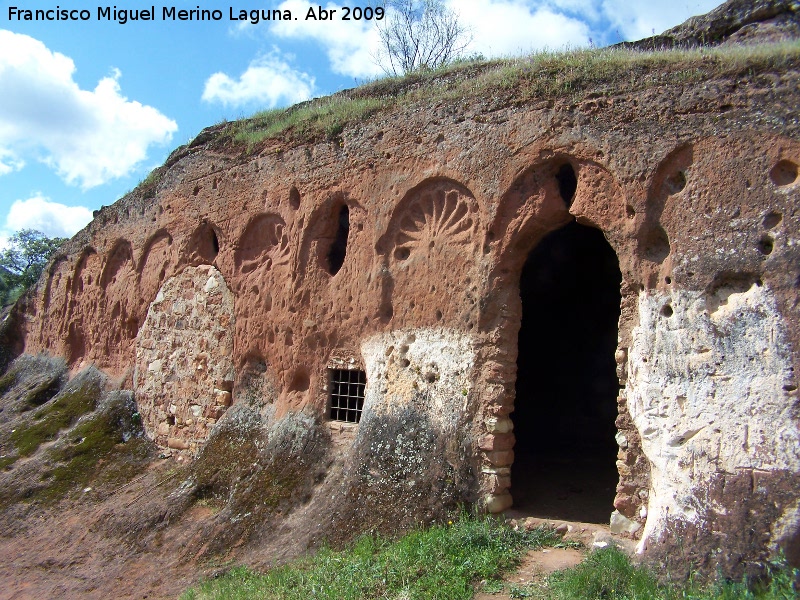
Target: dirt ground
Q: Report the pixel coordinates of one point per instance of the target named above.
(79, 549)
(538, 564)
(83, 548)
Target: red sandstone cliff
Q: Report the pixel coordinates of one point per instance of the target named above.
(223, 293)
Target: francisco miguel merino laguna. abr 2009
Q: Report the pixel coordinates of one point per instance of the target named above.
(171, 13)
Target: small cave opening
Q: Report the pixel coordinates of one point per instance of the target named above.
(339, 247)
(205, 243)
(566, 388)
(567, 183)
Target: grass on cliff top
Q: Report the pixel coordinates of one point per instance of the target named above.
(442, 562)
(540, 76)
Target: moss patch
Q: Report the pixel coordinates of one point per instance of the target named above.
(7, 381)
(48, 421)
(98, 448)
(252, 470)
(234, 470)
(43, 391)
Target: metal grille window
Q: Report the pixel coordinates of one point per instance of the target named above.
(347, 394)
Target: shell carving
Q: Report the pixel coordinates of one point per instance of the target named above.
(437, 216)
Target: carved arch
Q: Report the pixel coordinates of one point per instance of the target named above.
(321, 233)
(153, 241)
(155, 266)
(84, 270)
(54, 274)
(120, 255)
(203, 245)
(430, 251)
(537, 203)
(265, 240)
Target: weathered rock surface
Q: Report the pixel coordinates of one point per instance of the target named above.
(396, 247)
(733, 22)
(184, 366)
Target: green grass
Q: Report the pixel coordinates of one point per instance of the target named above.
(48, 421)
(446, 562)
(443, 562)
(573, 75)
(608, 575)
(325, 116)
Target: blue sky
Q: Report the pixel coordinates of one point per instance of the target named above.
(88, 108)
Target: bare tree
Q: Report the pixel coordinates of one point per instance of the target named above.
(419, 34)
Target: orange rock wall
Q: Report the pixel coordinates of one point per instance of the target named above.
(693, 187)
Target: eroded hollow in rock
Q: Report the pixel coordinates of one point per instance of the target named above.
(784, 173)
(205, 243)
(339, 247)
(566, 389)
(567, 183)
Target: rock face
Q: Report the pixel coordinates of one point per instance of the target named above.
(734, 22)
(396, 249)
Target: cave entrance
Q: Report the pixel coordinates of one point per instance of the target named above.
(566, 390)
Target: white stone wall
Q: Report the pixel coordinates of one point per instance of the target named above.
(436, 362)
(184, 371)
(706, 390)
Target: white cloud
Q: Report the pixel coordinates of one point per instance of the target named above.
(587, 9)
(88, 137)
(268, 80)
(349, 45)
(512, 27)
(497, 27)
(637, 20)
(51, 218)
(9, 161)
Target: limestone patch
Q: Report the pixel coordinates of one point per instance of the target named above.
(708, 389)
(435, 364)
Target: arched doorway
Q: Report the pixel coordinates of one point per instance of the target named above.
(566, 389)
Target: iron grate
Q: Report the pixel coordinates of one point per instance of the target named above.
(347, 394)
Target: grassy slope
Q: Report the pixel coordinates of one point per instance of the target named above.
(541, 76)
